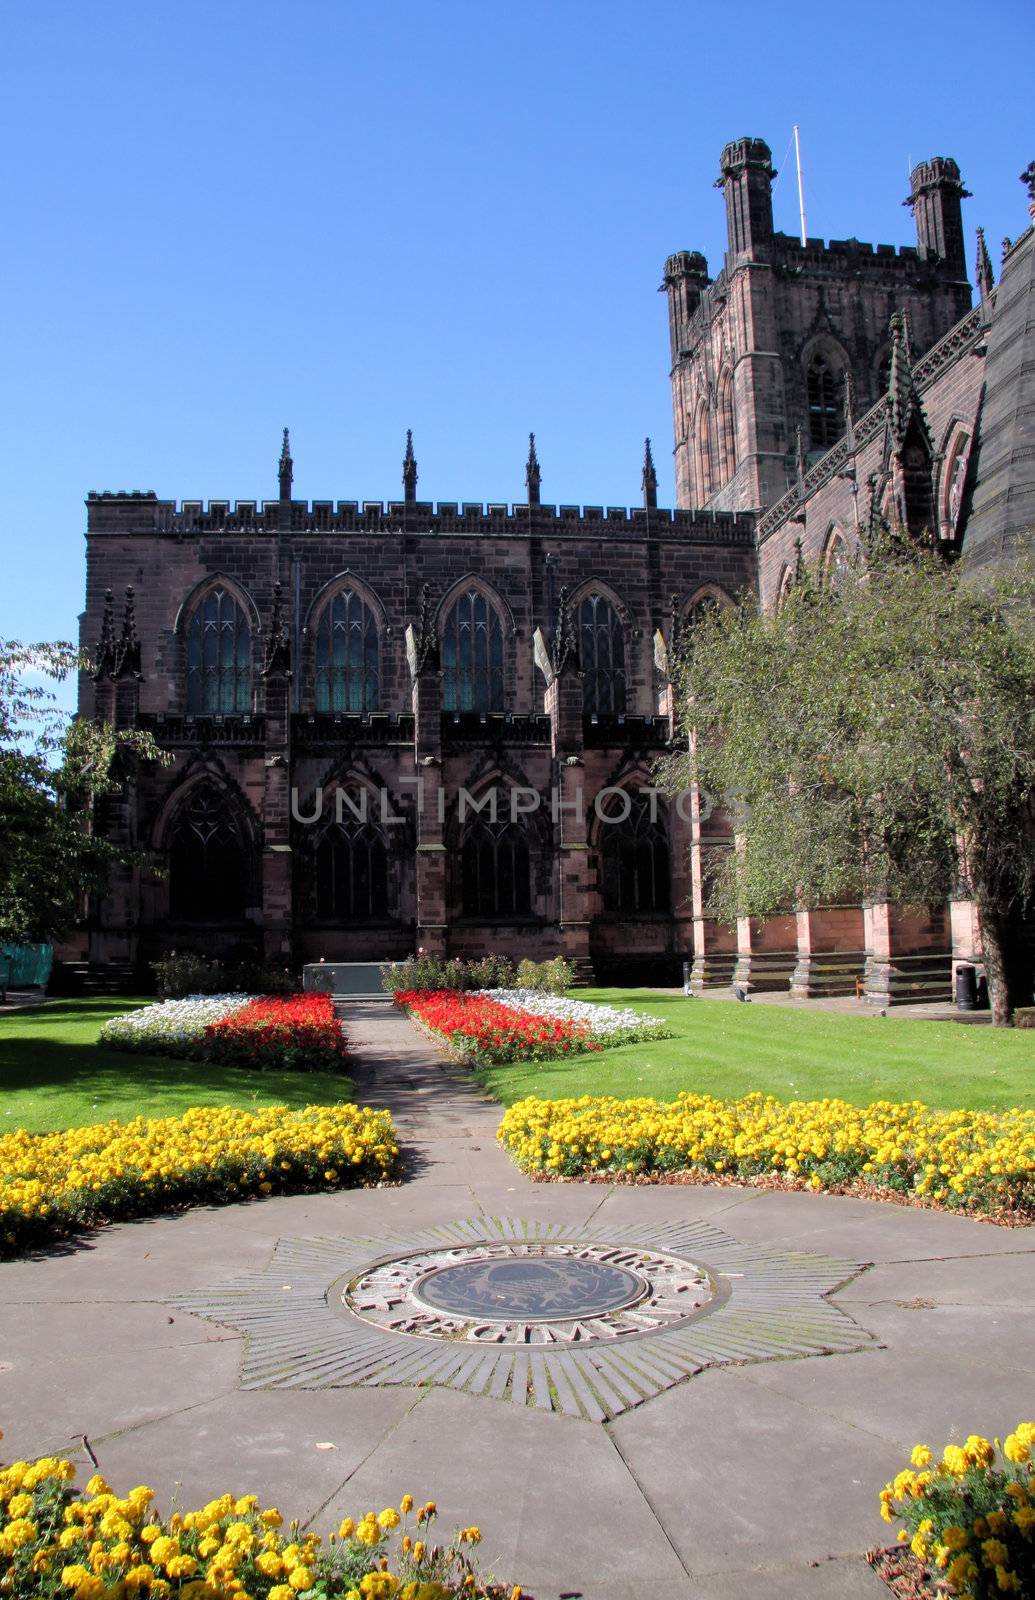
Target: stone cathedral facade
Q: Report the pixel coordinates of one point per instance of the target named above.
(410, 725)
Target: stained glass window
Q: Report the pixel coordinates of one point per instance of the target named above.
(347, 672)
(472, 656)
(602, 655)
(635, 862)
(496, 870)
(219, 656)
(826, 421)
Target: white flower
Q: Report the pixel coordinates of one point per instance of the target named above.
(606, 1023)
(169, 1022)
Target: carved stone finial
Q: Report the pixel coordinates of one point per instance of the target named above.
(285, 468)
(105, 653)
(901, 393)
(422, 646)
(850, 411)
(126, 659)
(983, 267)
(409, 470)
(277, 654)
(650, 479)
(1028, 180)
(564, 654)
(802, 461)
(533, 476)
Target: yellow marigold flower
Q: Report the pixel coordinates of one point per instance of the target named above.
(271, 1518)
(269, 1563)
(97, 1485)
(282, 1591)
(921, 1455)
(72, 1576)
(954, 1536)
(993, 1552)
(955, 1458)
(418, 1551)
(19, 1505)
(388, 1518)
(163, 1549)
(1016, 1449)
(1024, 1519)
(301, 1578)
(406, 1504)
(347, 1529)
(247, 1503)
(996, 1521)
(181, 1567)
(150, 1532)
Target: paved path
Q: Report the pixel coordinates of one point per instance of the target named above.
(750, 1481)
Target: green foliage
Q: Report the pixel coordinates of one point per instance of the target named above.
(429, 972)
(181, 973)
(51, 774)
(858, 734)
(548, 977)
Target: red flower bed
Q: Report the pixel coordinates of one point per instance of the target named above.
(299, 1031)
(493, 1032)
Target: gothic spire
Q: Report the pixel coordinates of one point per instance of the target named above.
(802, 461)
(409, 470)
(532, 473)
(565, 652)
(850, 412)
(105, 653)
(983, 267)
(126, 658)
(422, 644)
(277, 654)
(285, 468)
(902, 395)
(650, 479)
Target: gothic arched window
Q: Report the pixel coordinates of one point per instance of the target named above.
(352, 872)
(954, 481)
(727, 432)
(634, 857)
(347, 671)
(210, 859)
(602, 654)
(219, 656)
(826, 421)
(496, 870)
(835, 559)
(472, 655)
(702, 454)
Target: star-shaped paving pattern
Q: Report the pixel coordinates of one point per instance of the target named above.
(768, 1304)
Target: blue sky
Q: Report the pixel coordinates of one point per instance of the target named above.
(355, 218)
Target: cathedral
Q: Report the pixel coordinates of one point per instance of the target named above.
(406, 725)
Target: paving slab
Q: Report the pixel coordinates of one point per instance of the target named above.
(557, 1508)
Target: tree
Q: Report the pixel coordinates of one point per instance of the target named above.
(51, 773)
(876, 740)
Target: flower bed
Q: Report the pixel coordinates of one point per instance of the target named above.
(500, 1025)
(978, 1162)
(969, 1519)
(171, 1027)
(93, 1544)
(297, 1031)
(55, 1183)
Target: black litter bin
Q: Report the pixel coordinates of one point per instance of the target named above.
(966, 988)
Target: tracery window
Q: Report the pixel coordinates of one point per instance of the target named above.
(219, 656)
(835, 560)
(826, 422)
(352, 872)
(496, 870)
(347, 668)
(210, 864)
(472, 655)
(602, 655)
(635, 866)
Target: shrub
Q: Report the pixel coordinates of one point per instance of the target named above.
(549, 977)
(180, 974)
(92, 1543)
(429, 972)
(974, 1161)
(1024, 1017)
(300, 1033)
(55, 1183)
(970, 1518)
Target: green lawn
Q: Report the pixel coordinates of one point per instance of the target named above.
(725, 1048)
(54, 1075)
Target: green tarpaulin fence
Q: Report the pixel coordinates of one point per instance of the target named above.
(25, 966)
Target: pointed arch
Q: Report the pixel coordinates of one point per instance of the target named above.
(727, 429)
(217, 623)
(470, 620)
(346, 579)
(824, 363)
(706, 597)
(500, 858)
(836, 557)
(953, 465)
(633, 853)
(702, 452)
(210, 842)
(783, 588)
(345, 623)
(601, 617)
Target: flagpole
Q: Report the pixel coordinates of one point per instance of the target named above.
(801, 190)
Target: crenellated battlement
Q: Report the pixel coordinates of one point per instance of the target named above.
(143, 514)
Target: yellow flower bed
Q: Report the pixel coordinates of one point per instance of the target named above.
(98, 1545)
(975, 1161)
(53, 1183)
(969, 1519)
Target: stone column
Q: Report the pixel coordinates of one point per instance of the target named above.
(831, 944)
(908, 956)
